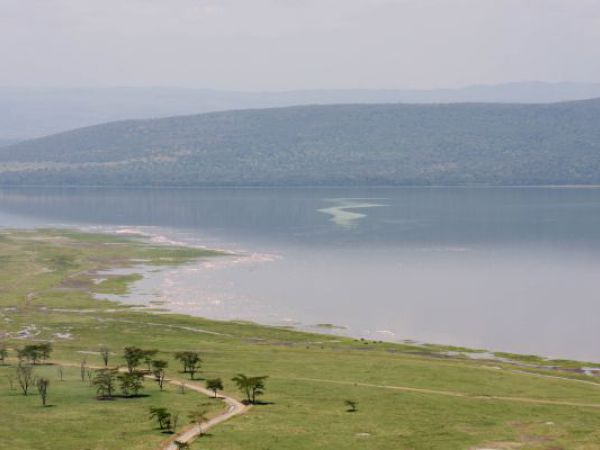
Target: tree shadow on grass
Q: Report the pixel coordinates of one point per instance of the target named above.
(122, 397)
(132, 397)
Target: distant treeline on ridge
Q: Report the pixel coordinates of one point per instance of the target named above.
(391, 144)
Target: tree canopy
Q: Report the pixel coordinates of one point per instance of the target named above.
(391, 144)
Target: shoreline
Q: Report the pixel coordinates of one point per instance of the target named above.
(336, 330)
(139, 271)
(50, 284)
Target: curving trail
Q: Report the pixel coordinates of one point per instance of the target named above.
(234, 408)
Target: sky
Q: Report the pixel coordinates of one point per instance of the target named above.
(260, 45)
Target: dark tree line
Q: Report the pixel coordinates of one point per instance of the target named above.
(35, 353)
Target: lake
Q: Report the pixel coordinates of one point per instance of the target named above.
(511, 269)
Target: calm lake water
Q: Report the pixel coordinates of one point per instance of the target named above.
(503, 269)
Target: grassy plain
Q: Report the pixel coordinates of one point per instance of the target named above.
(409, 396)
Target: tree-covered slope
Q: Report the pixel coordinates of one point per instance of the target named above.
(451, 144)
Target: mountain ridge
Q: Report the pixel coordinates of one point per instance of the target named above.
(27, 113)
(385, 144)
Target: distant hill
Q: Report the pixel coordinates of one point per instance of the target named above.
(445, 144)
(4, 142)
(28, 113)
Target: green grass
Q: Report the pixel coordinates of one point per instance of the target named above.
(310, 375)
(75, 419)
(117, 284)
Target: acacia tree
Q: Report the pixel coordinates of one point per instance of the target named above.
(42, 387)
(257, 387)
(215, 384)
(252, 387)
(194, 365)
(25, 376)
(105, 380)
(159, 371)
(162, 416)
(181, 357)
(35, 353)
(45, 348)
(104, 354)
(131, 383)
(351, 404)
(31, 353)
(191, 362)
(133, 356)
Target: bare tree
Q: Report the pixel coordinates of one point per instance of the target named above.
(82, 367)
(60, 372)
(105, 354)
(159, 371)
(42, 386)
(89, 373)
(25, 377)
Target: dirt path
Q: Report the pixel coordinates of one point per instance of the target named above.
(535, 401)
(556, 377)
(234, 408)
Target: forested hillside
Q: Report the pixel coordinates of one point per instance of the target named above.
(445, 144)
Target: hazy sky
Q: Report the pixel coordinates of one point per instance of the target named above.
(290, 44)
